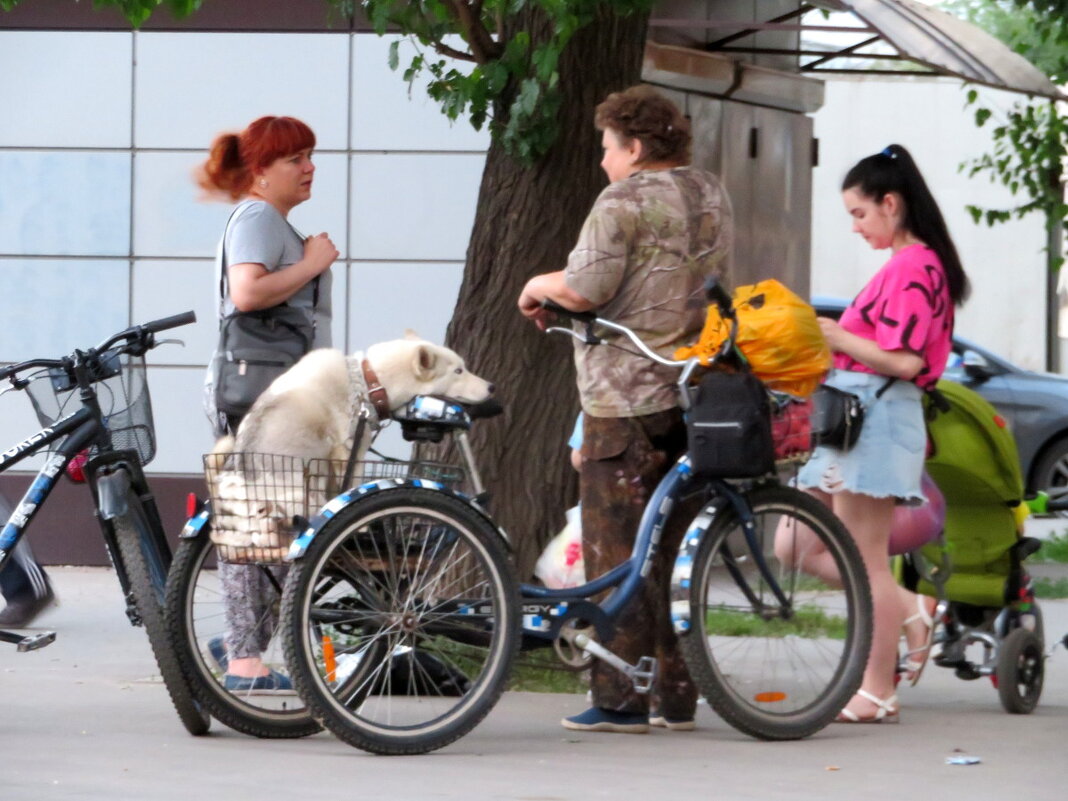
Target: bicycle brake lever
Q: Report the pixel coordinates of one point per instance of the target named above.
(589, 339)
(159, 342)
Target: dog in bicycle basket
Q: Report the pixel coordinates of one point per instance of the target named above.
(260, 479)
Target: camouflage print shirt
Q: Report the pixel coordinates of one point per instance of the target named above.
(644, 252)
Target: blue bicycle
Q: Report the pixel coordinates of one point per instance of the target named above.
(402, 614)
(96, 414)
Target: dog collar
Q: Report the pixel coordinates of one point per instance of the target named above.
(375, 391)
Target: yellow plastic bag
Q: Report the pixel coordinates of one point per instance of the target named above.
(777, 333)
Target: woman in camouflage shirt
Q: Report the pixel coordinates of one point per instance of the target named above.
(652, 238)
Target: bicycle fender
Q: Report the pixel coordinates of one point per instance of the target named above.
(349, 497)
(196, 524)
(680, 573)
(111, 489)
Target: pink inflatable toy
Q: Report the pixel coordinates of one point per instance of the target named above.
(915, 526)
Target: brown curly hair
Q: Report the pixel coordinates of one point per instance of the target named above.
(644, 114)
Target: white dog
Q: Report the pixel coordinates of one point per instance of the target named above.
(308, 413)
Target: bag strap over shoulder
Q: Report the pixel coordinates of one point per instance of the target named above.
(223, 266)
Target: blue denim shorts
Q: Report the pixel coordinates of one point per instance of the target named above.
(887, 460)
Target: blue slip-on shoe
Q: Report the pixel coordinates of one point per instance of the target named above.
(273, 682)
(674, 724)
(597, 719)
(217, 649)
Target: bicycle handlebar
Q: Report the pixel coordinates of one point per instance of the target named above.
(13, 369)
(139, 337)
(143, 333)
(714, 293)
(556, 308)
(592, 319)
(174, 321)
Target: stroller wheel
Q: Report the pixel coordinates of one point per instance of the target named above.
(1019, 672)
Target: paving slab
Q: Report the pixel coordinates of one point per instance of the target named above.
(87, 719)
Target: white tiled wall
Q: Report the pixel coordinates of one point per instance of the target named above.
(101, 224)
(191, 86)
(63, 90)
(70, 203)
(398, 199)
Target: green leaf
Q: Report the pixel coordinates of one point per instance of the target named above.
(981, 116)
(394, 54)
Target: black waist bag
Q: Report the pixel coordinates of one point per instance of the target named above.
(837, 417)
(254, 349)
(729, 427)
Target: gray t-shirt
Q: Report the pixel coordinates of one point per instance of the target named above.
(259, 234)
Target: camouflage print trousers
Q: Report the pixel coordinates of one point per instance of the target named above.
(623, 461)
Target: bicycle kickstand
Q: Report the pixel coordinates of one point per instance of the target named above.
(30, 643)
(641, 675)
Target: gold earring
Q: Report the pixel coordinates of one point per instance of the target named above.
(263, 183)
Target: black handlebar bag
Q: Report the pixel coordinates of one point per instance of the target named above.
(729, 427)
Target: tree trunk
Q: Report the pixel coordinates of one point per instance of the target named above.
(526, 223)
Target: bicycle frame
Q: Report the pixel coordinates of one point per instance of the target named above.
(79, 430)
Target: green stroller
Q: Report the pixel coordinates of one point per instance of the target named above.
(987, 622)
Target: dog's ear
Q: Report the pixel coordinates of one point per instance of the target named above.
(410, 334)
(424, 362)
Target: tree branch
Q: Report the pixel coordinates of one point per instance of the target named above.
(483, 48)
(452, 52)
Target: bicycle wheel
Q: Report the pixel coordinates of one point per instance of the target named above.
(401, 622)
(1020, 671)
(777, 652)
(196, 624)
(145, 570)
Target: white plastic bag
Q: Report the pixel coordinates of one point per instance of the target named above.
(560, 564)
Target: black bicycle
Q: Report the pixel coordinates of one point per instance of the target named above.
(96, 414)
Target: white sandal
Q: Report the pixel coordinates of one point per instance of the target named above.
(914, 667)
(886, 710)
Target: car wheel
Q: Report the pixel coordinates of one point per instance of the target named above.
(1051, 472)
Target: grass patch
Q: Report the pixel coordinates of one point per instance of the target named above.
(1054, 549)
(808, 621)
(1049, 588)
(541, 672)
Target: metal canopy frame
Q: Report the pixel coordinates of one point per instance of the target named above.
(921, 39)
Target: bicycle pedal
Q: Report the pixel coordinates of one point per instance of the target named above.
(35, 641)
(644, 674)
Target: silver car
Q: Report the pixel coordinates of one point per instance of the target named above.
(1035, 404)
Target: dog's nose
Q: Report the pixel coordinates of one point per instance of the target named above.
(491, 388)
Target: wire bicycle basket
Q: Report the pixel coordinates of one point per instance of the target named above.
(256, 496)
(123, 396)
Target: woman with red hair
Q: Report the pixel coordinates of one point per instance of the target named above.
(263, 262)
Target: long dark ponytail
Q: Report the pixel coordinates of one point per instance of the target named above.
(893, 170)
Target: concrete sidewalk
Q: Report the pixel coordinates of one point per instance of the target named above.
(86, 719)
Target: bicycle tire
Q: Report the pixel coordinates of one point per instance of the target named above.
(194, 610)
(1020, 672)
(147, 576)
(401, 621)
(776, 668)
